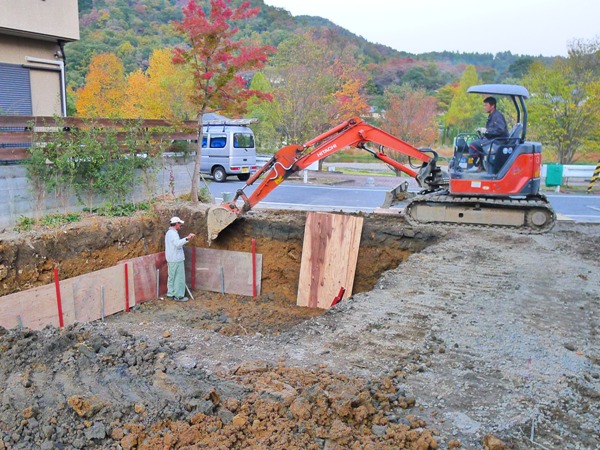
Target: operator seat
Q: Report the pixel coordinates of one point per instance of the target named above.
(501, 149)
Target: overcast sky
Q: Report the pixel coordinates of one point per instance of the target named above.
(525, 27)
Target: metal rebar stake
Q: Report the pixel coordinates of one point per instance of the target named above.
(222, 281)
(157, 283)
(102, 303)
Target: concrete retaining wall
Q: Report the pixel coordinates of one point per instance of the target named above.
(17, 198)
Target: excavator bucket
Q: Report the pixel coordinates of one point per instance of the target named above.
(218, 218)
(396, 195)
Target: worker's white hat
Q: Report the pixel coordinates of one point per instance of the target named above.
(175, 220)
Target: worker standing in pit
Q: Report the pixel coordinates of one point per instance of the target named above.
(495, 127)
(175, 260)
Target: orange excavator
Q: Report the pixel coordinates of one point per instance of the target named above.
(504, 194)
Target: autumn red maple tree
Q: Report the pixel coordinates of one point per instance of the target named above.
(217, 62)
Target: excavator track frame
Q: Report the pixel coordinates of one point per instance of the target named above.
(532, 214)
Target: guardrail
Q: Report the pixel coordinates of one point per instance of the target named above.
(261, 160)
(556, 175)
(573, 171)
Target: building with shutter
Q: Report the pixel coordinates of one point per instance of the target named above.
(32, 62)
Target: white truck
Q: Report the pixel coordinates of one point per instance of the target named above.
(228, 148)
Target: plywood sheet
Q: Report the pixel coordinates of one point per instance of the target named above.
(36, 308)
(329, 256)
(144, 275)
(231, 271)
(87, 292)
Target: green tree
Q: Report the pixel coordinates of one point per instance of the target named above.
(565, 107)
(466, 110)
(445, 95)
(267, 113)
(217, 63)
(304, 90)
(584, 60)
(429, 77)
(520, 67)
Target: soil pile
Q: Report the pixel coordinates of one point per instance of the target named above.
(94, 386)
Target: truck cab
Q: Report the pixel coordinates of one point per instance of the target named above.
(228, 148)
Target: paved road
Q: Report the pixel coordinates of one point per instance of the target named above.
(368, 193)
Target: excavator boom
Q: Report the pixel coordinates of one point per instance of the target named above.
(293, 158)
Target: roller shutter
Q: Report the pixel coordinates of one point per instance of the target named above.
(15, 90)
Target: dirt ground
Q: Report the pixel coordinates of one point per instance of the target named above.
(454, 339)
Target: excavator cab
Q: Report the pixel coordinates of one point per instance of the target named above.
(506, 193)
(511, 165)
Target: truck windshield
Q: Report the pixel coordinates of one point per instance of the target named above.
(243, 140)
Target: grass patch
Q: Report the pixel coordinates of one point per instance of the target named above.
(57, 220)
(49, 220)
(123, 210)
(25, 224)
(379, 173)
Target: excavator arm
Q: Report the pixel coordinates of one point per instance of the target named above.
(293, 158)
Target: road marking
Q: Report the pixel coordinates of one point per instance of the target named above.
(567, 196)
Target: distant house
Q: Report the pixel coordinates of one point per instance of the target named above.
(32, 62)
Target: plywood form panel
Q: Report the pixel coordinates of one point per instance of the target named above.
(36, 307)
(144, 276)
(232, 270)
(329, 256)
(87, 292)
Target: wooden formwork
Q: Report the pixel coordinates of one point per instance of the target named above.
(329, 256)
(104, 292)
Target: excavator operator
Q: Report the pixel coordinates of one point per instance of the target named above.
(495, 127)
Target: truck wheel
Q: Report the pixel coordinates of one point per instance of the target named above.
(244, 176)
(219, 174)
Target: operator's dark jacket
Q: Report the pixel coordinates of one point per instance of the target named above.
(495, 128)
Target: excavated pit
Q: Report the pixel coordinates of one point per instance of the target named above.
(130, 382)
(28, 260)
(424, 356)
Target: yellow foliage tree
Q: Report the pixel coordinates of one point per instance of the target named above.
(350, 101)
(162, 92)
(104, 91)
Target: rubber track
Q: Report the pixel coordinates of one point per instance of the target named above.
(539, 201)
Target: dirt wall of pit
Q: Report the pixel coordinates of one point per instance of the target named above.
(27, 259)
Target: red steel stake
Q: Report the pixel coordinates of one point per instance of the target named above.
(254, 268)
(337, 299)
(126, 287)
(58, 299)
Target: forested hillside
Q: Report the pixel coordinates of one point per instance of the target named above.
(319, 74)
(132, 29)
